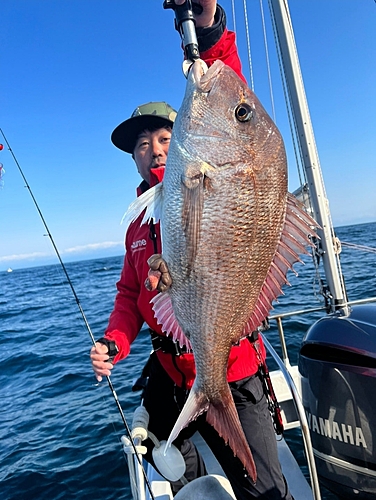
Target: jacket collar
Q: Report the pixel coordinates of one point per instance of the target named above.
(156, 176)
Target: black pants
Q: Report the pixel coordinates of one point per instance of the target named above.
(164, 401)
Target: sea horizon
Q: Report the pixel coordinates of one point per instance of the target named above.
(53, 259)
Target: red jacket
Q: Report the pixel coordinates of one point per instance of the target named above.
(132, 303)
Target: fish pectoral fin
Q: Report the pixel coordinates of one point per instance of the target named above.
(150, 201)
(225, 420)
(193, 204)
(195, 405)
(165, 317)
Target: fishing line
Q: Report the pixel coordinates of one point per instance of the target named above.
(80, 309)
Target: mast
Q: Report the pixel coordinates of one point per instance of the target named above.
(299, 105)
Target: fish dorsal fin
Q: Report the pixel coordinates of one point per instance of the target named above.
(165, 317)
(297, 230)
(150, 201)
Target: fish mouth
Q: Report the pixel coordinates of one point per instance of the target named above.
(202, 77)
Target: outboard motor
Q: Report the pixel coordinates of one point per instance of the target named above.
(337, 363)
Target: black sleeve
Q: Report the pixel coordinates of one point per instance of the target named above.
(207, 37)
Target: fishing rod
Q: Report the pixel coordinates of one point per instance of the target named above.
(120, 409)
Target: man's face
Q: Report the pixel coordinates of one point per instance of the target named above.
(151, 150)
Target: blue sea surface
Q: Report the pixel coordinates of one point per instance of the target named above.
(60, 430)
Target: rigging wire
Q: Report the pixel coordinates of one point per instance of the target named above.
(364, 248)
(296, 146)
(79, 307)
(248, 44)
(267, 60)
(233, 15)
(248, 38)
(304, 193)
(286, 93)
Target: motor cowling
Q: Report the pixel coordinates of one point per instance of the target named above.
(337, 363)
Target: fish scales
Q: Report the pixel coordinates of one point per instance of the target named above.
(228, 235)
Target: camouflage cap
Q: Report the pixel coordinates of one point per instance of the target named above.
(150, 115)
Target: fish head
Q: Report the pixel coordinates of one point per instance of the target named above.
(223, 122)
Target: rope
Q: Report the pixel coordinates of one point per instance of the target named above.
(364, 248)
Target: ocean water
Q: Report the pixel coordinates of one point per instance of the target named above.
(60, 430)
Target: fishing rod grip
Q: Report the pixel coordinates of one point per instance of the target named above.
(185, 24)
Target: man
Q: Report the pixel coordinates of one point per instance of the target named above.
(146, 135)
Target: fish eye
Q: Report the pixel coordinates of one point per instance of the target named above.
(243, 112)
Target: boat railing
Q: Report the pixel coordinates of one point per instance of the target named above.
(302, 418)
(285, 367)
(317, 309)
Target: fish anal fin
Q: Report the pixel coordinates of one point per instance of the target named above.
(195, 405)
(224, 418)
(165, 317)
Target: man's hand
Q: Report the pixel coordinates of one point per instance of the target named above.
(159, 277)
(99, 356)
(206, 18)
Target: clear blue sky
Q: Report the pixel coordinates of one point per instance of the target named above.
(71, 70)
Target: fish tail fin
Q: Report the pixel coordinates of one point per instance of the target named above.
(224, 418)
(196, 404)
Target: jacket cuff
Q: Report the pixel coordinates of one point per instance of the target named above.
(112, 348)
(121, 342)
(208, 37)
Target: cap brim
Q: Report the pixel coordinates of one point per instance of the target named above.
(125, 135)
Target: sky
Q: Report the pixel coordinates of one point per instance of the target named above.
(72, 70)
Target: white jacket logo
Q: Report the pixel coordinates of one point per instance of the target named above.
(138, 245)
